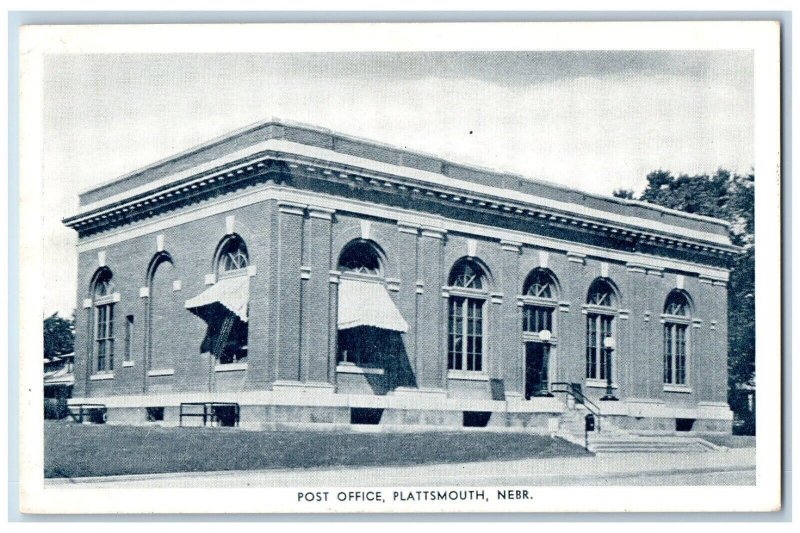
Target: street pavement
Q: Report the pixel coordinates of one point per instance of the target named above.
(723, 467)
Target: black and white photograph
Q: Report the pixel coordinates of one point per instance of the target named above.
(477, 267)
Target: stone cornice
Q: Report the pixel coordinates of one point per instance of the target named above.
(277, 167)
(392, 215)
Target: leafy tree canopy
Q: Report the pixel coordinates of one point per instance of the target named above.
(729, 197)
(628, 194)
(59, 335)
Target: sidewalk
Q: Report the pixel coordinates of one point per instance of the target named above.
(732, 466)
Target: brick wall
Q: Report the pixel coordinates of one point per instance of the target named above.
(292, 320)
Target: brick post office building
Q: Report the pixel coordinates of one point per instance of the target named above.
(308, 277)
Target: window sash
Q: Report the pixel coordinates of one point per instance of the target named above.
(232, 261)
(540, 290)
(600, 298)
(675, 356)
(104, 337)
(535, 318)
(128, 349)
(680, 354)
(598, 326)
(465, 344)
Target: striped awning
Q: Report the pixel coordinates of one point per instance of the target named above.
(231, 293)
(365, 303)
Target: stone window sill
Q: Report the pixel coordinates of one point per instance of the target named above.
(101, 376)
(161, 372)
(467, 375)
(349, 368)
(677, 388)
(230, 367)
(127, 364)
(599, 384)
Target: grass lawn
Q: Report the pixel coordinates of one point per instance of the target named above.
(73, 450)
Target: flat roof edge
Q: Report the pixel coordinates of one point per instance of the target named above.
(275, 121)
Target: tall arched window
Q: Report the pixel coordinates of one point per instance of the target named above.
(677, 317)
(232, 257)
(466, 304)
(103, 303)
(539, 295)
(225, 305)
(600, 312)
(360, 341)
(230, 330)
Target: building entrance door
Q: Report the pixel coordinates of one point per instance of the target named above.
(537, 355)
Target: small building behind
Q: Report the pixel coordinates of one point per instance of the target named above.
(59, 378)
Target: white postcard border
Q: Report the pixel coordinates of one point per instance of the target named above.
(762, 37)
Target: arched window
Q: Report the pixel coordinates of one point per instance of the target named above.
(467, 274)
(677, 304)
(601, 302)
(602, 293)
(103, 303)
(360, 256)
(540, 283)
(228, 329)
(359, 345)
(103, 286)
(539, 295)
(465, 339)
(368, 321)
(232, 257)
(677, 311)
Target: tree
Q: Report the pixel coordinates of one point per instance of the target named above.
(729, 197)
(623, 193)
(59, 335)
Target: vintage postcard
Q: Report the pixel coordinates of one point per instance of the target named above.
(468, 267)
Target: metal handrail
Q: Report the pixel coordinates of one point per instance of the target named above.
(84, 410)
(208, 414)
(579, 396)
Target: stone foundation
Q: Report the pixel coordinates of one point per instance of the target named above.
(664, 425)
(317, 417)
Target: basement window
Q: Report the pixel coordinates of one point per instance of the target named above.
(476, 419)
(225, 415)
(684, 424)
(155, 414)
(365, 415)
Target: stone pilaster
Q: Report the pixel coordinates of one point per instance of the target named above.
(431, 356)
(408, 263)
(288, 303)
(506, 325)
(315, 348)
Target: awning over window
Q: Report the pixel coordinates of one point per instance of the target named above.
(62, 376)
(363, 303)
(231, 293)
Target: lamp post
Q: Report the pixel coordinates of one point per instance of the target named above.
(609, 344)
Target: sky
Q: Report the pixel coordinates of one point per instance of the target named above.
(594, 120)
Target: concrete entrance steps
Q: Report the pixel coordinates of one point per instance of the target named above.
(573, 421)
(611, 439)
(649, 444)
